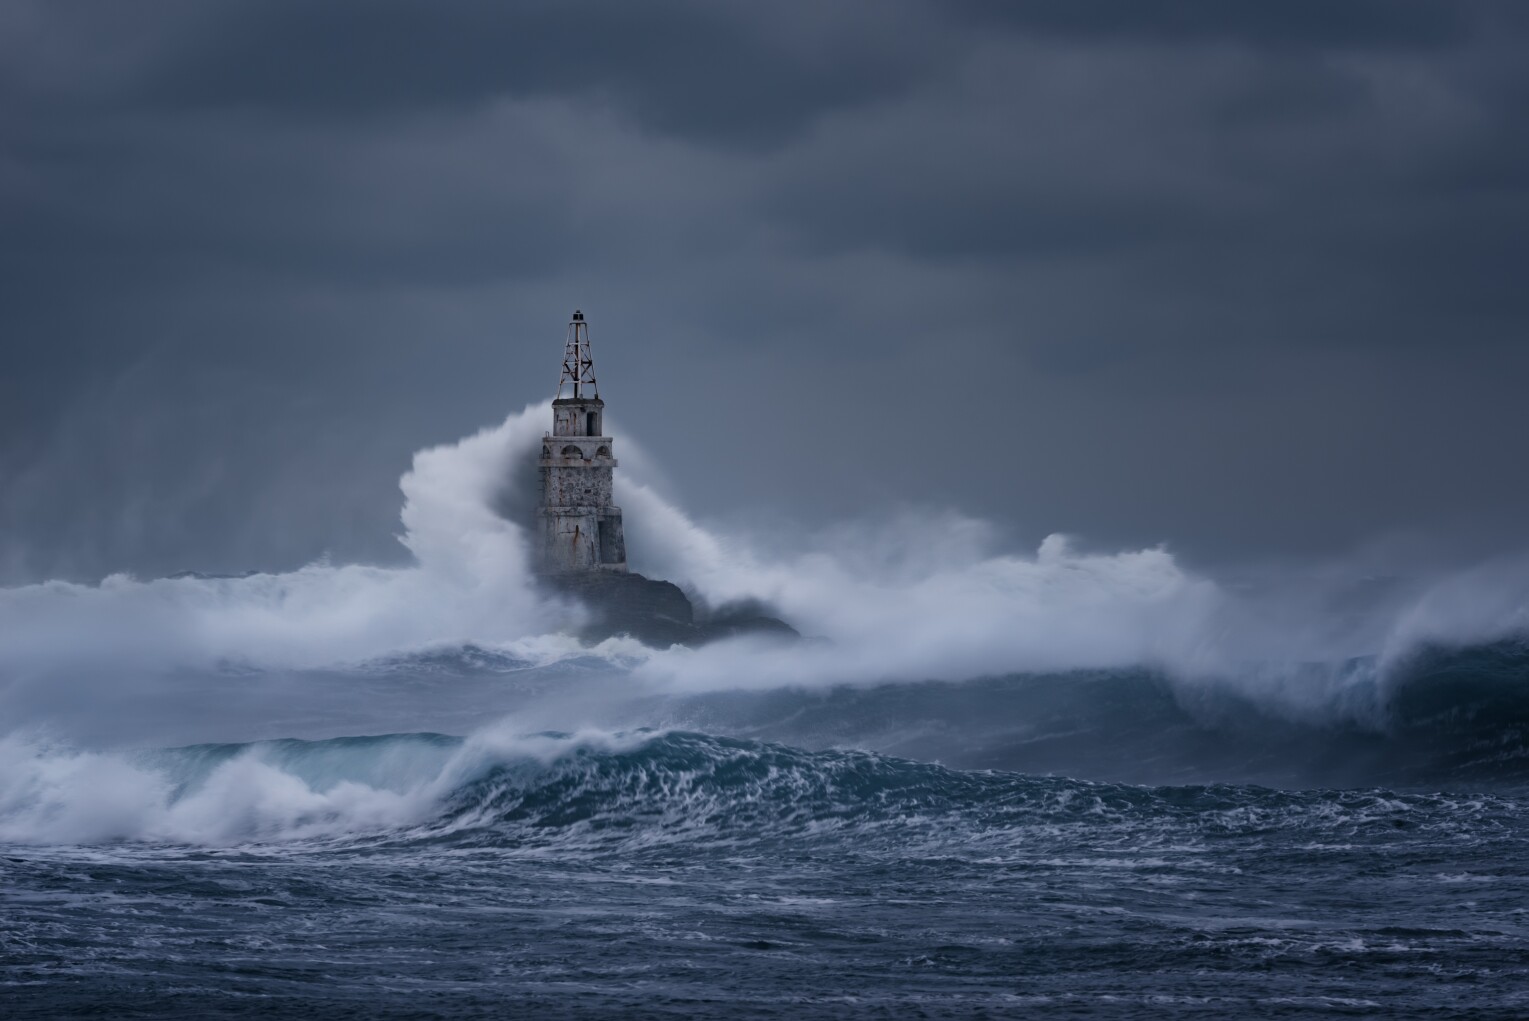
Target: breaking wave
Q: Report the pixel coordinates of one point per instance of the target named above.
(1026, 648)
(633, 793)
(917, 596)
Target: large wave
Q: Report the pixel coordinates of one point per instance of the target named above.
(916, 596)
(262, 791)
(908, 599)
(603, 793)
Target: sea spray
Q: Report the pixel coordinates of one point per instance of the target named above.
(967, 609)
(904, 599)
(600, 792)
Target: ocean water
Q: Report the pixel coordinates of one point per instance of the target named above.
(990, 783)
(665, 871)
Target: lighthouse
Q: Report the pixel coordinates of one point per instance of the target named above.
(580, 547)
(580, 526)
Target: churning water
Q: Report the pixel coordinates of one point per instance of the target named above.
(990, 785)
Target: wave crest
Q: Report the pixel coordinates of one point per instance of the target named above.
(602, 793)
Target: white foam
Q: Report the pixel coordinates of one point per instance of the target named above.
(55, 794)
(915, 596)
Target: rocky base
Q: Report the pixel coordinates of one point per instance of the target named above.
(657, 613)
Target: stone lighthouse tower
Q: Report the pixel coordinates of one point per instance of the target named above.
(580, 526)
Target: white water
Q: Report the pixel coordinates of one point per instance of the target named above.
(912, 598)
(264, 791)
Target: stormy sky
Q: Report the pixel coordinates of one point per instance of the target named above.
(1247, 278)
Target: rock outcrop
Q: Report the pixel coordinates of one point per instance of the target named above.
(579, 539)
(658, 613)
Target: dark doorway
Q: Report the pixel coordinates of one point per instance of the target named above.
(611, 542)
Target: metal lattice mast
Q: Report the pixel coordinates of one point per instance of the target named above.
(578, 363)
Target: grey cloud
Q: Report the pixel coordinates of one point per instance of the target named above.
(1297, 23)
(722, 73)
(1210, 257)
(1300, 192)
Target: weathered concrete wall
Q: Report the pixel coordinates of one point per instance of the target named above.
(581, 528)
(569, 541)
(577, 416)
(565, 486)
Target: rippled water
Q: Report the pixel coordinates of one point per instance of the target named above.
(993, 783)
(676, 874)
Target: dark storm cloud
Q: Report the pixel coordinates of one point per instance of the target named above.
(1303, 23)
(299, 137)
(1274, 180)
(721, 73)
(298, 203)
(254, 253)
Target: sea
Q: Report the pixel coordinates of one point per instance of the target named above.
(986, 783)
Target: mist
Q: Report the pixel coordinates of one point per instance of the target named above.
(1120, 403)
(904, 598)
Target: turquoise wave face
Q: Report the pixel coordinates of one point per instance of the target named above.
(660, 768)
(656, 793)
(622, 873)
(685, 790)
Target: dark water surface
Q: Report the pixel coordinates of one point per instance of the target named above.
(679, 875)
(721, 855)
